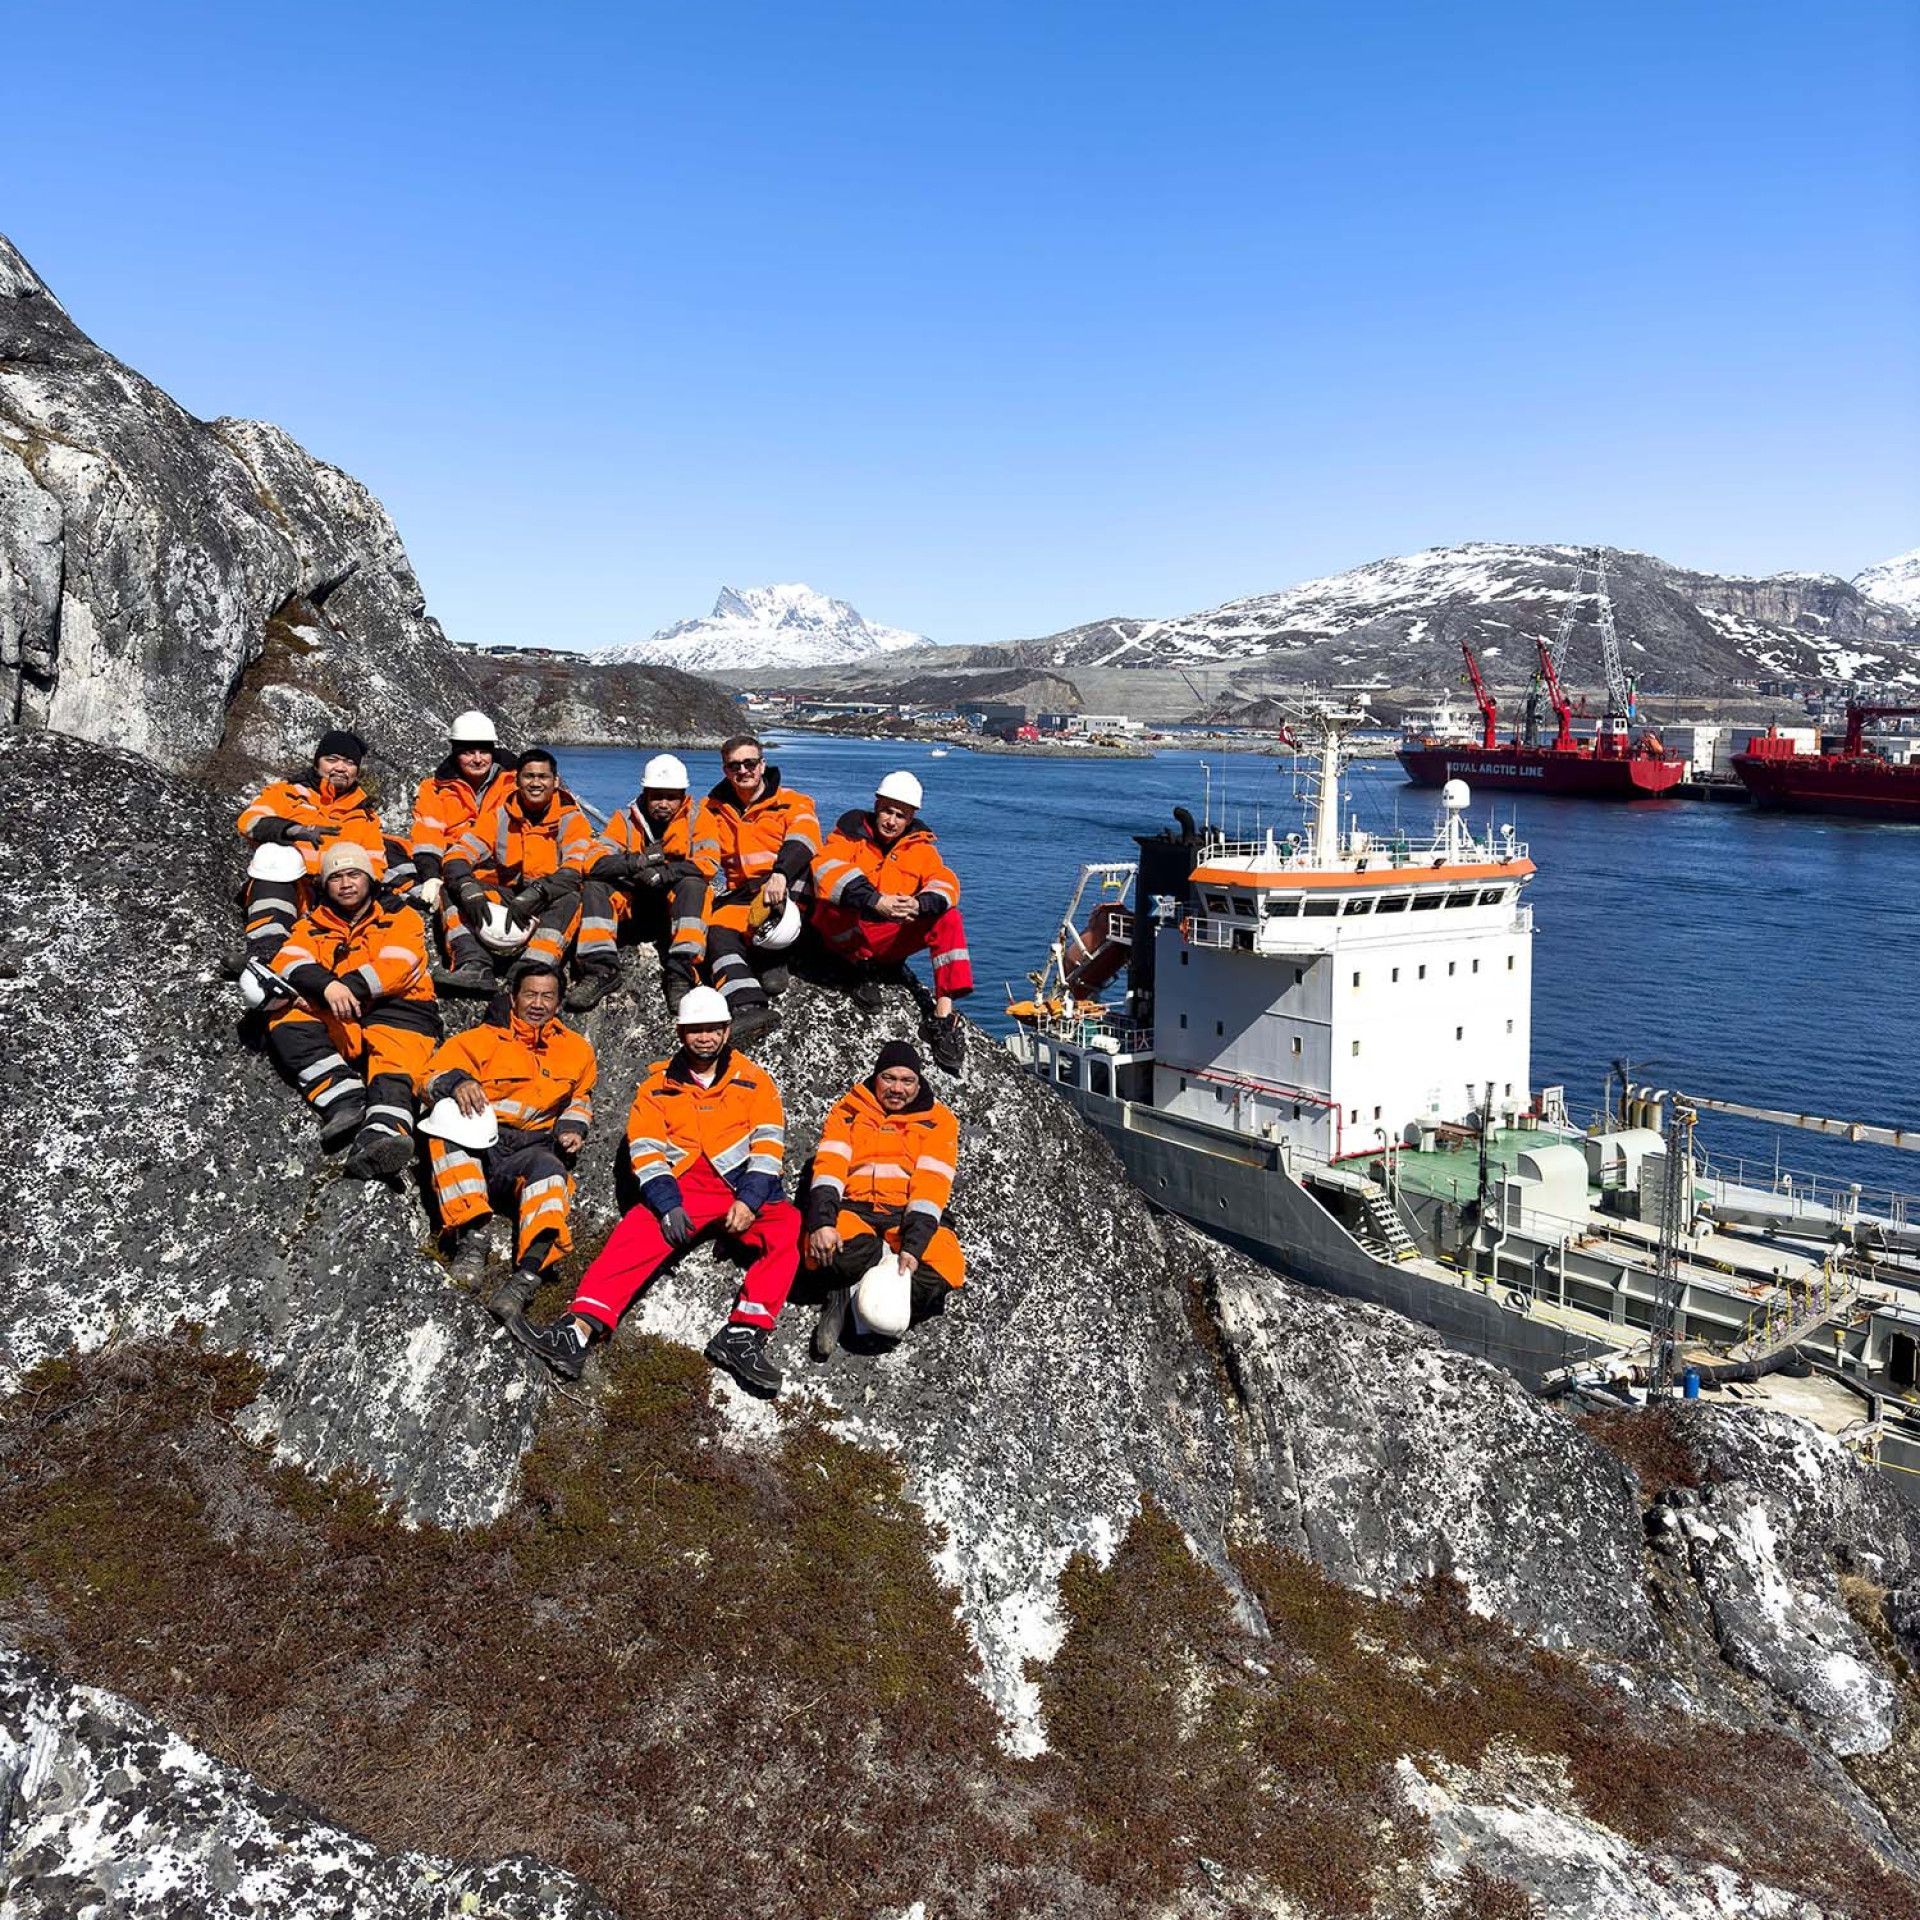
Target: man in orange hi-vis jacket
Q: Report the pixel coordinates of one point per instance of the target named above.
(515, 877)
(882, 1179)
(474, 776)
(359, 1020)
(305, 816)
(755, 841)
(707, 1139)
(537, 1076)
(881, 893)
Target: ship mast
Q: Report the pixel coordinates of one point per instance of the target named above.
(1318, 732)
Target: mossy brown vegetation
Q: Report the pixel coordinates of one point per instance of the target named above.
(1651, 1440)
(723, 1680)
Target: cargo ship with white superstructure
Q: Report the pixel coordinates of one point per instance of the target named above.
(1317, 1046)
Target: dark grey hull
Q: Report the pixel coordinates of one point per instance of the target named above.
(1237, 1192)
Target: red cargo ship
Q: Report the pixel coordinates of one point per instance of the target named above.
(1615, 765)
(1857, 779)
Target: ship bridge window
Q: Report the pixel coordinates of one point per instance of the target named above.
(1100, 1077)
(1425, 902)
(1066, 1067)
(1492, 896)
(1215, 902)
(1465, 899)
(1283, 909)
(1363, 905)
(1322, 909)
(1393, 903)
(1243, 906)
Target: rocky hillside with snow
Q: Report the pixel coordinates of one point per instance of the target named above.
(1894, 583)
(753, 628)
(1400, 622)
(571, 702)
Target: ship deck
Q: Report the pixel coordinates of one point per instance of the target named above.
(1453, 1173)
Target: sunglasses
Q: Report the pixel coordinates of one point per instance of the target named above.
(743, 766)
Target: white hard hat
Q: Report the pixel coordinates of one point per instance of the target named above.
(502, 932)
(664, 773)
(884, 1298)
(902, 787)
(447, 1122)
(780, 929)
(704, 1007)
(472, 729)
(260, 984)
(275, 860)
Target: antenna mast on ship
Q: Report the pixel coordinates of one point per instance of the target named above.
(1318, 733)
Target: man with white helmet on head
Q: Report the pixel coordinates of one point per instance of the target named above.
(707, 1142)
(882, 893)
(474, 776)
(641, 879)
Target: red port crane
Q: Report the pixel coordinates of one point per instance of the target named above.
(1489, 708)
(1857, 718)
(1562, 707)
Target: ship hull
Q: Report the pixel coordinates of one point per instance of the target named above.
(1807, 783)
(1270, 1216)
(1584, 776)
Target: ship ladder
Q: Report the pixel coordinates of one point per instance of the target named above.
(1383, 1233)
(1795, 1314)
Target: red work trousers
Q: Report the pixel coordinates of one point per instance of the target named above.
(637, 1250)
(893, 942)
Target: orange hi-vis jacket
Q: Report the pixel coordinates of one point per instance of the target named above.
(738, 1124)
(380, 954)
(446, 806)
(285, 804)
(630, 832)
(854, 868)
(737, 850)
(886, 1167)
(533, 1080)
(504, 848)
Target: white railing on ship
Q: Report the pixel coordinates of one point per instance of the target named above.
(1396, 851)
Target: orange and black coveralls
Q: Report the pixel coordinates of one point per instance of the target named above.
(270, 817)
(736, 849)
(855, 867)
(537, 1083)
(445, 806)
(633, 873)
(508, 850)
(701, 1148)
(366, 1065)
(885, 1180)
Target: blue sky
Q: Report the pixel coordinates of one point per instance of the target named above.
(997, 318)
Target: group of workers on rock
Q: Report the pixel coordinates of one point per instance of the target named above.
(520, 885)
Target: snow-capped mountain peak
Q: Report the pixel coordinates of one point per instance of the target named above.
(787, 625)
(1894, 583)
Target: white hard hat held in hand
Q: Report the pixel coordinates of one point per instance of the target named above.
(883, 1301)
(703, 1007)
(902, 787)
(664, 773)
(448, 1121)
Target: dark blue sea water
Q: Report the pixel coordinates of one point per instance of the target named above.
(1762, 957)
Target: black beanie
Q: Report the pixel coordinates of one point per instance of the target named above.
(348, 745)
(899, 1053)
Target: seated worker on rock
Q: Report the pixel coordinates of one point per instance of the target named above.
(304, 817)
(881, 893)
(535, 1078)
(474, 776)
(640, 871)
(882, 1177)
(754, 840)
(515, 878)
(707, 1137)
(359, 1020)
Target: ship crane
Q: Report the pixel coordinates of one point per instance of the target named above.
(1906, 1138)
(1620, 712)
(1551, 659)
(1857, 718)
(1489, 708)
(1562, 707)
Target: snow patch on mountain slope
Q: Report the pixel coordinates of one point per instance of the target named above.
(1894, 583)
(780, 626)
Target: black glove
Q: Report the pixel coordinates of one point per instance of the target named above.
(526, 904)
(650, 870)
(676, 1226)
(615, 869)
(471, 898)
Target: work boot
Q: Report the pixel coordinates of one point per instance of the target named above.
(593, 986)
(753, 1023)
(866, 991)
(469, 1262)
(476, 980)
(946, 1042)
(379, 1155)
(562, 1346)
(742, 1351)
(343, 1121)
(832, 1322)
(677, 988)
(514, 1295)
(776, 979)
